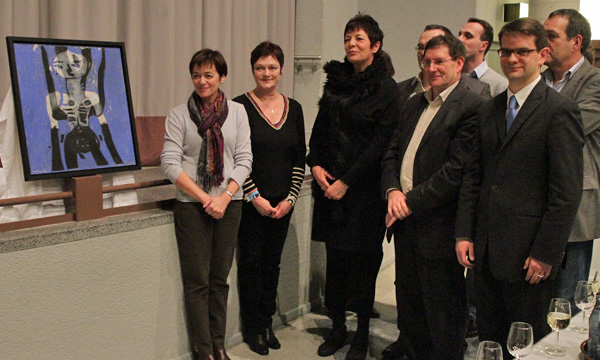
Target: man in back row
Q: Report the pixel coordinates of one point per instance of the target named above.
(478, 35)
(570, 74)
(418, 84)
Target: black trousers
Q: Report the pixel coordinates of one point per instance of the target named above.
(206, 249)
(350, 273)
(501, 303)
(260, 244)
(431, 302)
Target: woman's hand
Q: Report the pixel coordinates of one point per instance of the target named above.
(321, 175)
(337, 190)
(217, 205)
(263, 206)
(282, 209)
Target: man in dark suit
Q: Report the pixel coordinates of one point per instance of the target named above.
(570, 74)
(422, 171)
(518, 201)
(418, 84)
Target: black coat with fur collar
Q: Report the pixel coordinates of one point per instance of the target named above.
(357, 115)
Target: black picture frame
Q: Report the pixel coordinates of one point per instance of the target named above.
(73, 107)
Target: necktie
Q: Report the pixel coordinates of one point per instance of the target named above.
(512, 112)
(473, 74)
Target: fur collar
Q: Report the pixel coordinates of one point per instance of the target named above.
(344, 87)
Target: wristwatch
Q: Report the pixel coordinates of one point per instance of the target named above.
(229, 193)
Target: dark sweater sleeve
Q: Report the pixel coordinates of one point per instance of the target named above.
(299, 162)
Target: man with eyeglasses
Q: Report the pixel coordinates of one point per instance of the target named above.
(477, 35)
(422, 171)
(418, 84)
(570, 74)
(519, 198)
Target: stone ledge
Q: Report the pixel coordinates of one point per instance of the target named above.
(25, 239)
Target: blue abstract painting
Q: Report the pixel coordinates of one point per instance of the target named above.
(73, 107)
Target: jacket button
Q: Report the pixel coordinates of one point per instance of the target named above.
(494, 187)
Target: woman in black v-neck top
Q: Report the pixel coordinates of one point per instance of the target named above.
(271, 190)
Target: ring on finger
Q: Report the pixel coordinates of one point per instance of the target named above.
(540, 275)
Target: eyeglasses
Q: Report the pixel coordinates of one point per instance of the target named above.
(420, 48)
(521, 53)
(437, 62)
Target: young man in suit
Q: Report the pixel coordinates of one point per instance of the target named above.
(422, 170)
(570, 74)
(519, 199)
(477, 35)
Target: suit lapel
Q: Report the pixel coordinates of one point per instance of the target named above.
(412, 120)
(534, 100)
(499, 115)
(574, 81)
(449, 104)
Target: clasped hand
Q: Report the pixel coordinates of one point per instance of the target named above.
(397, 207)
(264, 208)
(334, 191)
(215, 206)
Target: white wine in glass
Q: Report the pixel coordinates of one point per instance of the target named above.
(489, 350)
(520, 339)
(585, 301)
(559, 317)
(596, 283)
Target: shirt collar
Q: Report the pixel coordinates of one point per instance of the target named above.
(481, 69)
(550, 75)
(443, 95)
(522, 94)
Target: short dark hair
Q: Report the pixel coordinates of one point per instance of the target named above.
(526, 26)
(209, 57)
(365, 22)
(488, 32)
(438, 27)
(388, 62)
(264, 49)
(455, 47)
(578, 25)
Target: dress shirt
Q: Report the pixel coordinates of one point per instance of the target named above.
(521, 95)
(561, 83)
(481, 69)
(406, 170)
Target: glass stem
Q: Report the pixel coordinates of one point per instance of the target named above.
(583, 320)
(557, 332)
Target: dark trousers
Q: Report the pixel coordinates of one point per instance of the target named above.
(260, 244)
(350, 272)
(206, 249)
(501, 303)
(431, 302)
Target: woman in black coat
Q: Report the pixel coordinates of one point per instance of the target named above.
(357, 114)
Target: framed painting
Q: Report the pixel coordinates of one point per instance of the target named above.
(73, 107)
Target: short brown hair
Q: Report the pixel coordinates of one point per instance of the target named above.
(366, 22)
(456, 48)
(529, 27)
(578, 25)
(264, 49)
(209, 57)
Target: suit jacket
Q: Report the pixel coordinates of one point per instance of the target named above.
(406, 87)
(497, 82)
(584, 88)
(439, 162)
(524, 187)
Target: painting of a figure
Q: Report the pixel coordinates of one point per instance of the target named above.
(73, 107)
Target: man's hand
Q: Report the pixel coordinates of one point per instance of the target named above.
(397, 206)
(337, 190)
(465, 253)
(321, 175)
(536, 270)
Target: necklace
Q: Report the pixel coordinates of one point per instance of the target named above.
(272, 108)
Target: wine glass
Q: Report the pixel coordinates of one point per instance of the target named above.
(489, 350)
(596, 283)
(559, 316)
(585, 300)
(520, 339)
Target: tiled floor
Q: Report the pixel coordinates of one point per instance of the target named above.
(301, 338)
